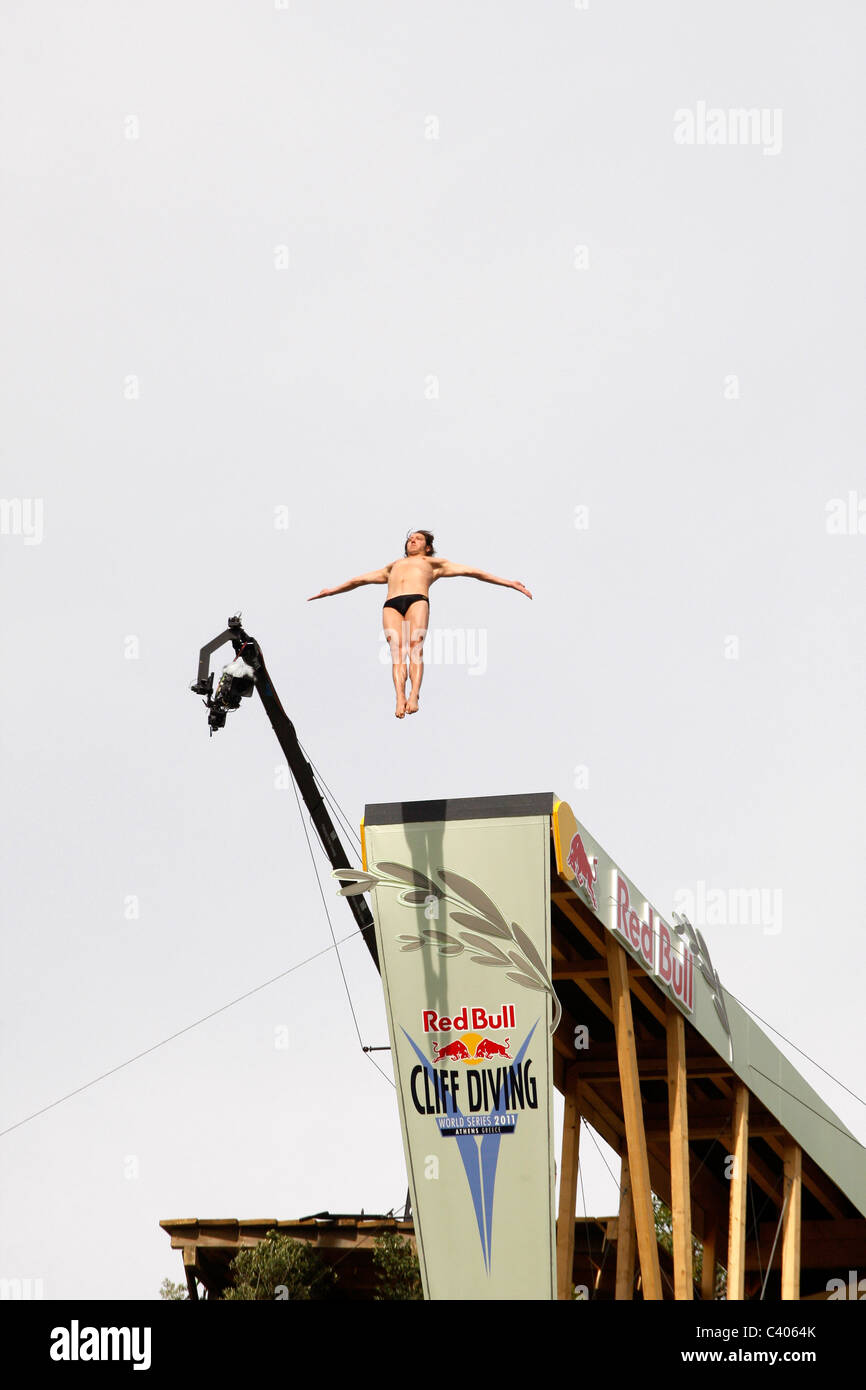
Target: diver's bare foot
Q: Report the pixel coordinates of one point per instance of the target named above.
(412, 707)
(401, 707)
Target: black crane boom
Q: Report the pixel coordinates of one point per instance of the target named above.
(251, 672)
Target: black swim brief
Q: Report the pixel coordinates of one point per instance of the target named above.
(402, 601)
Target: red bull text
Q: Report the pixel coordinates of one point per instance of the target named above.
(662, 952)
(468, 1020)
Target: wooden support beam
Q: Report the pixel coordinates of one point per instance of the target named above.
(190, 1265)
(605, 1108)
(594, 1110)
(633, 1117)
(649, 995)
(597, 1068)
(709, 1120)
(760, 1172)
(601, 1059)
(681, 1205)
(833, 1246)
(591, 930)
(708, 1265)
(791, 1221)
(563, 1038)
(568, 1185)
(625, 1237)
(739, 1178)
(761, 1126)
(709, 1196)
(572, 908)
(596, 992)
(588, 970)
(816, 1182)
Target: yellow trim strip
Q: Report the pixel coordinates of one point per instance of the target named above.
(564, 826)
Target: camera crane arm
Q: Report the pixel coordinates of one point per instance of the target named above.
(246, 672)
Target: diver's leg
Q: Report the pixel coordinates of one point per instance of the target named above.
(394, 627)
(417, 617)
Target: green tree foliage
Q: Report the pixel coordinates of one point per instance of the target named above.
(172, 1291)
(664, 1223)
(397, 1269)
(279, 1268)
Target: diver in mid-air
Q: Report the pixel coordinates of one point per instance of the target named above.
(406, 611)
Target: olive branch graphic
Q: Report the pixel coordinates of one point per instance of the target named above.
(492, 940)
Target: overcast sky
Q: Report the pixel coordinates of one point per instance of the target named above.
(280, 282)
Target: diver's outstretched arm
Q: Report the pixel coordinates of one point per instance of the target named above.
(374, 577)
(447, 569)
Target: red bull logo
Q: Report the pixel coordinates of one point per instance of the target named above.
(488, 1048)
(474, 1025)
(476, 1020)
(471, 1048)
(585, 870)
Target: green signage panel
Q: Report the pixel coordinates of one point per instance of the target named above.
(462, 911)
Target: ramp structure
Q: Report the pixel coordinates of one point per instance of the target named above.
(517, 955)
